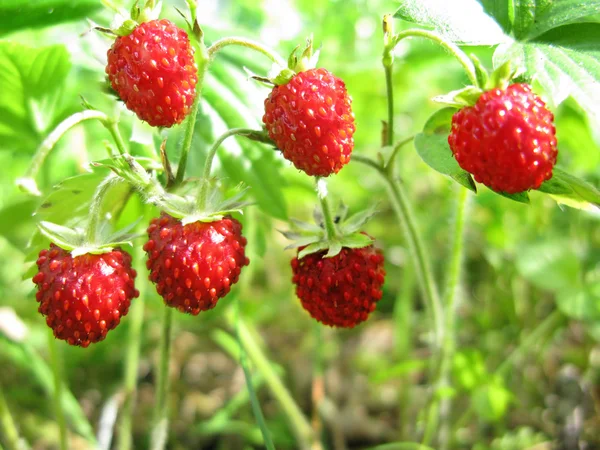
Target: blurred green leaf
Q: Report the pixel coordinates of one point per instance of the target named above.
(571, 191)
(580, 304)
(534, 18)
(468, 369)
(491, 401)
(17, 14)
(461, 21)
(432, 146)
(30, 81)
(564, 61)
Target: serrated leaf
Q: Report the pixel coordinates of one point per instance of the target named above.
(432, 146)
(565, 62)
(571, 191)
(30, 81)
(356, 240)
(461, 21)
(533, 18)
(17, 14)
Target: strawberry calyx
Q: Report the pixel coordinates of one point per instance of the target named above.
(468, 96)
(315, 237)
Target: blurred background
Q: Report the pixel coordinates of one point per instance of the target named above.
(526, 372)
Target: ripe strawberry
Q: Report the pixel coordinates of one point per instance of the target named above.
(311, 121)
(84, 297)
(342, 290)
(153, 71)
(507, 140)
(194, 265)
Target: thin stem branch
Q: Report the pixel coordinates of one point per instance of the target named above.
(329, 225)
(9, 428)
(162, 390)
(389, 167)
(113, 128)
(57, 395)
(204, 184)
(136, 320)
(423, 269)
(299, 424)
(461, 56)
(440, 408)
(248, 43)
(390, 102)
(203, 61)
(256, 410)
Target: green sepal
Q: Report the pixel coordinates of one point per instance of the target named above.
(126, 28)
(463, 97)
(283, 77)
(501, 77)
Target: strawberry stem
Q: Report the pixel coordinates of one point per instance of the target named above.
(204, 183)
(248, 43)
(327, 217)
(461, 56)
(57, 395)
(203, 60)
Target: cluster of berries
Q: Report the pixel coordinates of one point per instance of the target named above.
(506, 140)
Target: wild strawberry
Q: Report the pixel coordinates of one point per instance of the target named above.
(311, 121)
(194, 265)
(84, 297)
(507, 140)
(153, 71)
(343, 290)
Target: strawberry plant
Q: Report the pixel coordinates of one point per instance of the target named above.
(418, 311)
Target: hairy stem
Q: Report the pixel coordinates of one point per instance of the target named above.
(299, 424)
(57, 394)
(390, 103)
(9, 429)
(113, 128)
(461, 56)
(438, 417)
(204, 184)
(248, 43)
(162, 390)
(327, 217)
(136, 320)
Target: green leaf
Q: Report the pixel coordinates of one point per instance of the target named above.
(499, 10)
(356, 240)
(491, 401)
(571, 191)
(580, 304)
(460, 21)
(532, 18)
(313, 248)
(335, 247)
(565, 62)
(356, 221)
(30, 81)
(432, 146)
(17, 14)
(520, 197)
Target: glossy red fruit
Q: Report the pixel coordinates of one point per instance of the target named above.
(84, 297)
(154, 72)
(310, 119)
(507, 140)
(343, 290)
(194, 265)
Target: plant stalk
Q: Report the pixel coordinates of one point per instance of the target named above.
(438, 416)
(161, 418)
(8, 424)
(134, 341)
(248, 43)
(299, 424)
(57, 395)
(327, 217)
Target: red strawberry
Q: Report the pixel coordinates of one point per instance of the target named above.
(154, 72)
(342, 290)
(507, 140)
(84, 297)
(194, 265)
(311, 121)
